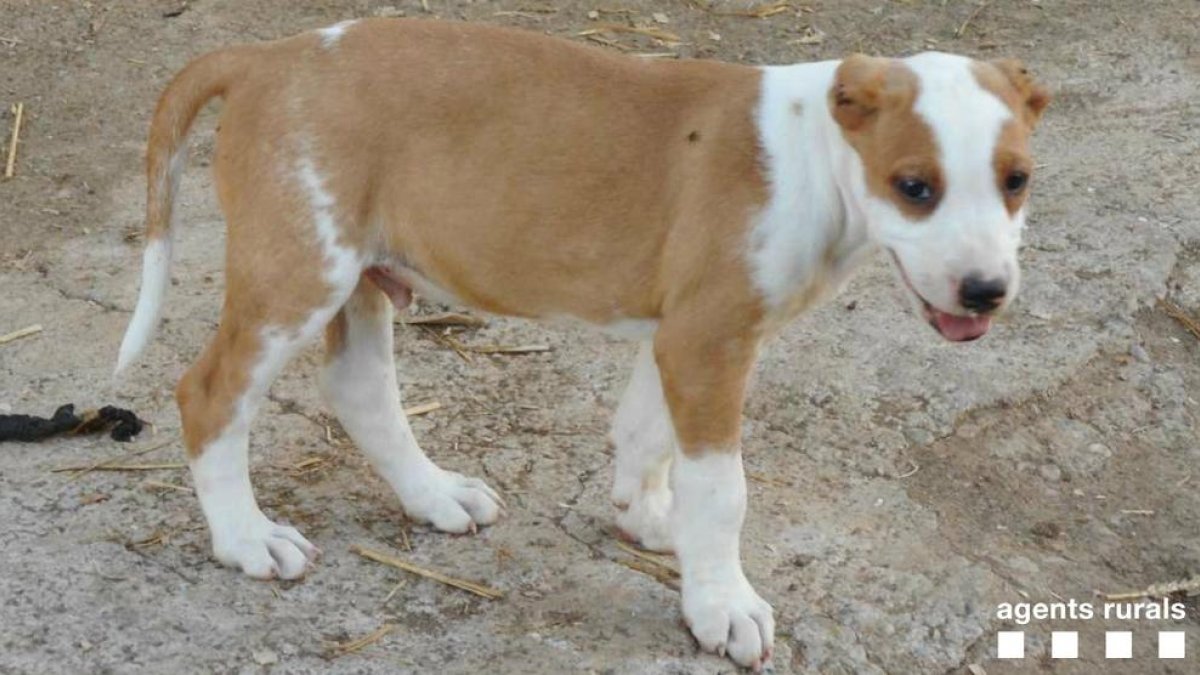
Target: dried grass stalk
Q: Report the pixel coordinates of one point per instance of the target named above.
(422, 409)
(99, 466)
(22, 333)
(121, 467)
(469, 586)
(1176, 312)
(445, 319)
(350, 646)
(510, 349)
(10, 168)
(1186, 587)
(656, 33)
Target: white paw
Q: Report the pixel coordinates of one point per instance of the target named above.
(262, 549)
(449, 501)
(646, 521)
(730, 619)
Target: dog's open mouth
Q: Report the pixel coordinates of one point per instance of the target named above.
(953, 327)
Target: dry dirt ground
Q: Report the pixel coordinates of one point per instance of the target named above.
(902, 488)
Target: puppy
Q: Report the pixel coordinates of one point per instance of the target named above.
(693, 206)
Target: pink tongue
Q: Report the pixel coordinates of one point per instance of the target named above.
(961, 328)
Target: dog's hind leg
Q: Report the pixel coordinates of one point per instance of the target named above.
(644, 441)
(284, 282)
(263, 326)
(360, 384)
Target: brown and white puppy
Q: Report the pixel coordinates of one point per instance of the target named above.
(695, 206)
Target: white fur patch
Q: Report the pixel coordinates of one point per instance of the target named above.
(242, 536)
(330, 35)
(724, 612)
(631, 329)
(805, 223)
(360, 384)
(342, 264)
(644, 439)
(156, 277)
(156, 270)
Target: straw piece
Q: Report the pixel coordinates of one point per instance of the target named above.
(469, 586)
(445, 319)
(658, 573)
(423, 409)
(756, 12)
(661, 561)
(159, 485)
(121, 467)
(509, 349)
(10, 168)
(1186, 587)
(760, 478)
(963, 28)
(18, 334)
(1176, 312)
(343, 648)
(656, 33)
(395, 590)
(98, 466)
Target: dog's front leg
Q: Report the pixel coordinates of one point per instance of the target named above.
(704, 381)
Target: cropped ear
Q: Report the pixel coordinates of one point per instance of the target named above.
(1035, 96)
(861, 86)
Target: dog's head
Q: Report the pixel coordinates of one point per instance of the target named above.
(943, 172)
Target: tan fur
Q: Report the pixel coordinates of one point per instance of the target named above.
(1012, 83)
(872, 100)
(433, 140)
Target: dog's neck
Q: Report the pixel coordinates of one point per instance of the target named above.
(811, 234)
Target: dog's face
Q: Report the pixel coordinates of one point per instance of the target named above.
(943, 173)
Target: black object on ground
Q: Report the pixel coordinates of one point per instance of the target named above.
(30, 428)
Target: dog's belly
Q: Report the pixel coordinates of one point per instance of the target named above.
(400, 282)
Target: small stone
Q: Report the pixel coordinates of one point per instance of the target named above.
(1139, 352)
(389, 12)
(1100, 449)
(1046, 530)
(1050, 472)
(659, 17)
(265, 657)
(593, 15)
(821, 397)
(714, 36)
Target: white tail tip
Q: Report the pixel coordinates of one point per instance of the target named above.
(156, 272)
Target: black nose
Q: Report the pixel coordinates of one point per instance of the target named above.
(980, 295)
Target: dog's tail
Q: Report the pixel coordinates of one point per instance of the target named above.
(205, 78)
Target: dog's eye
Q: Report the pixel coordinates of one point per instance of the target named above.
(915, 190)
(1015, 182)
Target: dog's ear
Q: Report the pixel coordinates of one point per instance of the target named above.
(1034, 95)
(861, 86)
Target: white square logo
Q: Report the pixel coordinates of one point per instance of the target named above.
(1010, 644)
(1064, 644)
(1118, 644)
(1171, 644)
